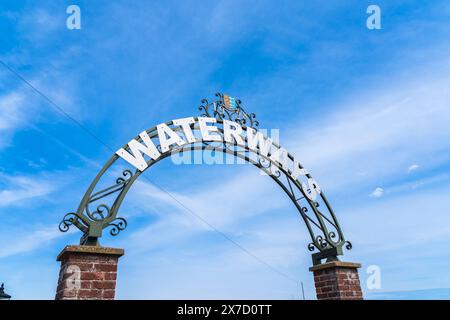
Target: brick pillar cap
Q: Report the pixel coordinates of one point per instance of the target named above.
(334, 264)
(91, 250)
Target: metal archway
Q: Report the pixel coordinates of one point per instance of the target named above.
(326, 235)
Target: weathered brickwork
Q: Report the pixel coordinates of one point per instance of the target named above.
(337, 281)
(87, 273)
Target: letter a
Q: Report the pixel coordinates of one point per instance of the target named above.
(74, 20)
(374, 20)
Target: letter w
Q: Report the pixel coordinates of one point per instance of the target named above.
(135, 157)
(255, 139)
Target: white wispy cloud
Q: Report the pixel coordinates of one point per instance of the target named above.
(413, 167)
(38, 24)
(175, 261)
(21, 106)
(379, 132)
(31, 205)
(19, 188)
(377, 193)
(12, 109)
(33, 238)
(225, 205)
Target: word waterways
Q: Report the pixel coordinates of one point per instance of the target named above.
(206, 129)
(225, 309)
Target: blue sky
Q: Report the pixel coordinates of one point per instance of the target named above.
(361, 109)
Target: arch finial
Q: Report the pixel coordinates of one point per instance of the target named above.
(225, 107)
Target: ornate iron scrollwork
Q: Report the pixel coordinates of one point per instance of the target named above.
(117, 225)
(221, 110)
(91, 223)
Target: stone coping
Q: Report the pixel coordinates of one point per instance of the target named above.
(335, 264)
(91, 250)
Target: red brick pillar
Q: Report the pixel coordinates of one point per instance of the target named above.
(87, 273)
(337, 281)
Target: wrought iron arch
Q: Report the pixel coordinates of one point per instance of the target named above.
(326, 234)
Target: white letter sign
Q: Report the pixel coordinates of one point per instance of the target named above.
(135, 157)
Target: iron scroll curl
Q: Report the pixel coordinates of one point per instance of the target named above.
(98, 210)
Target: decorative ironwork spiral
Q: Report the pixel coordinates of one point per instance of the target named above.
(118, 225)
(127, 175)
(321, 241)
(348, 245)
(67, 221)
(98, 214)
(269, 166)
(332, 238)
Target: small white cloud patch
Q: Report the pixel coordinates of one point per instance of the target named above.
(413, 167)
(377, 193)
